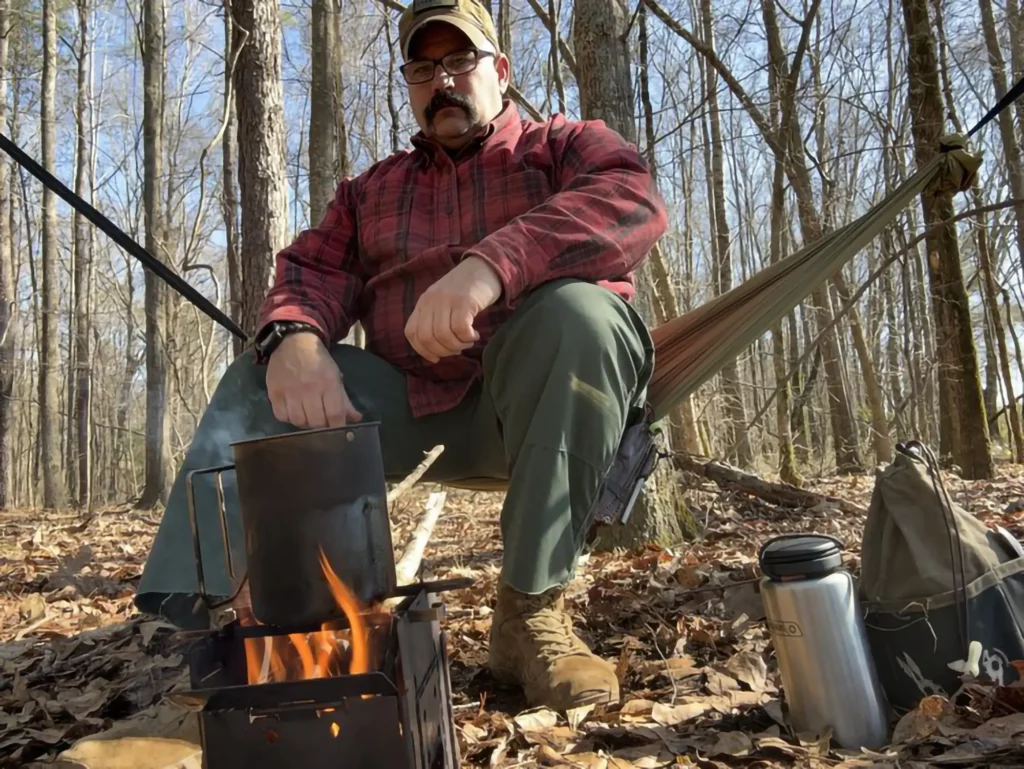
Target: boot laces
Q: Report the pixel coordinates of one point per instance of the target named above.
(553, 635)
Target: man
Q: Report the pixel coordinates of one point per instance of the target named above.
(491, 266)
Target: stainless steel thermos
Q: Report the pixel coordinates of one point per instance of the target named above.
(820, 642)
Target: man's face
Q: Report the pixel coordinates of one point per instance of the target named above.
(451, 109)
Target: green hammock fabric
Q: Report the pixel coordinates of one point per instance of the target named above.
(691, 349)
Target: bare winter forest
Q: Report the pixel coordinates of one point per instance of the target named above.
(767, 126)
(213, 131)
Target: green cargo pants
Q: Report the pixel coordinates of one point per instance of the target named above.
(560, 380)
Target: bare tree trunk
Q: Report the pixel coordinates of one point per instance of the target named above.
(606, 93)
(229, 183)
(778, 242)
(504, 25)
(963, 426)
(83, 266)
(390, 89)
(737, 433)
(261, 149)
(7, 293)
(683, 429)
(880, 439)
(1011, 147)
(556, 67)
(343, 168)
(158, 458)
(844, 428)
(322, 128)
(49, 406)
(997, 333)
(1013, 24)
(788, 472)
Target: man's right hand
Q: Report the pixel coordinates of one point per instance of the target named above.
(305, 385)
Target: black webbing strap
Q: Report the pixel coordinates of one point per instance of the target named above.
(120, 237)
(1008, 98)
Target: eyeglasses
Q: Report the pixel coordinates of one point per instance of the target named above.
(456, 63)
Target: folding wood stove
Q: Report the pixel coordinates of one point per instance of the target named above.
(262, 710)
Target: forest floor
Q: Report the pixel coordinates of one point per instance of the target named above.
(700, 685)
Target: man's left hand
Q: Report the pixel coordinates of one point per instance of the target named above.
(442, 322)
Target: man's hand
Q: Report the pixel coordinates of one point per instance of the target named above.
(442, 322)
(305, 385)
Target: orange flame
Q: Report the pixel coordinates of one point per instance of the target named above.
(350, 605)
(301, 656)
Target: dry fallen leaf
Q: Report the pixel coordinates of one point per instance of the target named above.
(576, 716)
(135, 753)
(637, 707)
(732, 744)
(67, 682)
(497, 758)
(83, 704)
(1004, 726)
(148, 629)
(585, 761)
(670, 715)
(643, 756)
(921, 722)
(720, 684)
(748, 667)
(32, 607)
(779, 744)
(536, 720)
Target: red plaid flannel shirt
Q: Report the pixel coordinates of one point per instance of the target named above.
(537, 201)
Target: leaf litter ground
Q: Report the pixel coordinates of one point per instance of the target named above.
(684, 626)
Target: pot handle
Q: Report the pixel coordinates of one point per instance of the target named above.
(222, 515)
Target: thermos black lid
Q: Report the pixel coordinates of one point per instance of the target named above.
(801, 555)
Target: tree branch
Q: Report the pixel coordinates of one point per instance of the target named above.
(523, 102)
(563, 48)
(409, 564)
(410, 480)
(789, 95)
(782, 494)
(734, 85)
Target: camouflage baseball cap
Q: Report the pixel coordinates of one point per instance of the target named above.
(469, 16)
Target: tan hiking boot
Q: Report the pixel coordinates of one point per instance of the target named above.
(533, 645)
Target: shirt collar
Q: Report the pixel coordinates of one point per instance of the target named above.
(507, 118)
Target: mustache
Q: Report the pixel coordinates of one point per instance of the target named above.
(443, 99)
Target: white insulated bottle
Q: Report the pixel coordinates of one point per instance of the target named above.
(822, 648)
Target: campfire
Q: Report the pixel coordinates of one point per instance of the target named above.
(321, 654)
(337, 665)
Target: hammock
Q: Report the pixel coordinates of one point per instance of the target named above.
(691, 349)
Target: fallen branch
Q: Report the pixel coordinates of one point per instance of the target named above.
(783, 494)
(410, 480)
(412, 556)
